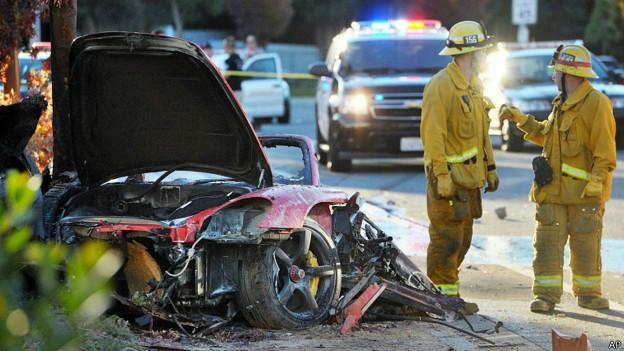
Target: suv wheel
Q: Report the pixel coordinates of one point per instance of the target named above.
(334, 162)
(285, 118)
(510, 138)
(322, 155)
(292, 285)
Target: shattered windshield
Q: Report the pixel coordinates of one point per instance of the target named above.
(176, 177)
(287, 163)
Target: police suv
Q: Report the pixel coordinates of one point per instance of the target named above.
(369, 96)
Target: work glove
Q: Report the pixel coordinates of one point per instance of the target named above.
(513, 113)
(446, 188)
(492, 182)
(592, 189)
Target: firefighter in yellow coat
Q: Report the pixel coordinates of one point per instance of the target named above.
(458, 154)
(572, 182)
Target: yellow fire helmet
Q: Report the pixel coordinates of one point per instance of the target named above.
(466, 36)
(574, 60)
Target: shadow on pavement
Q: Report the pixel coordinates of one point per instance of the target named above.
(598, 320)
(613, 313)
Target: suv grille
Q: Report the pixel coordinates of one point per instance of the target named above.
(397, 106)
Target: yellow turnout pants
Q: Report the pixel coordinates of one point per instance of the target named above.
(450, 233)
(555, 223)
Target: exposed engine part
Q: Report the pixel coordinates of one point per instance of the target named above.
(201, 324)
(366, 247)
(176, 253)
(210, 278)
(140, 269)
(356, 310)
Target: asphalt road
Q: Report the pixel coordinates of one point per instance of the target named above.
(402, 183)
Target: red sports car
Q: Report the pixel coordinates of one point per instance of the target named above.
(169, 170)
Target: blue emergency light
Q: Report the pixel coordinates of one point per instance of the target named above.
(397, 25)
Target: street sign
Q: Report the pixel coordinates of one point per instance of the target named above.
(524, 12)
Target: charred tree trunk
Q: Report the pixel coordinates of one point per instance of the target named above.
(12, 86)
(63, 31)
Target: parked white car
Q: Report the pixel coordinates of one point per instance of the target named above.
(264, 97)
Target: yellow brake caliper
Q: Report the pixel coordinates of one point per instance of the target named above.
(312, 261)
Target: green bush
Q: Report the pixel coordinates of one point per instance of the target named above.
(50, 315)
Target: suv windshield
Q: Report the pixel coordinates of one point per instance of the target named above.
(535, 69)
(394, 56)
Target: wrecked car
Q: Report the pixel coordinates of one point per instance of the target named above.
(169, 171)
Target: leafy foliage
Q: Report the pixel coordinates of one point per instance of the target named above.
(41, 143)
(50, 318)
(16, 25)
(266, 19)
(605, 31)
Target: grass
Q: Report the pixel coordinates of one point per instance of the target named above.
(109, 334)
(302, 87)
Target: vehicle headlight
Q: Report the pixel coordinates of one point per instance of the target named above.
(618, 102)
(235, 222)
(533, 105)
(354, 104)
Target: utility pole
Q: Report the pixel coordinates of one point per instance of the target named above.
(63, 32)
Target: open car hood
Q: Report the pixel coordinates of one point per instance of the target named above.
(143, 103)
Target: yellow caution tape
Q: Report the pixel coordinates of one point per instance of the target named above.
(269, 75)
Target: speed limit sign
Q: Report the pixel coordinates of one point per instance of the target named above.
(524, 12)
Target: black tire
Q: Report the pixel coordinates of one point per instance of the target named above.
(322, 155)
(53, 202)
(334, 162)
(619, 136)
(511, 140)
(265, 275)
(285, 118)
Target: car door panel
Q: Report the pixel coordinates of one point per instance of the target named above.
(263, 96)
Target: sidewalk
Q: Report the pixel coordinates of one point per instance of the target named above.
(503, 293)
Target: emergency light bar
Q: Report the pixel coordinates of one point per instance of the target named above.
(396, 25)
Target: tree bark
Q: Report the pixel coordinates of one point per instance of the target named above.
(63, 31)
(12, 86)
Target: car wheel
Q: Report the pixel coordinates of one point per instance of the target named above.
(53, 201)
(334, 162)
(292, 285)
(285, 118)
(322, 155)
(510, 140)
